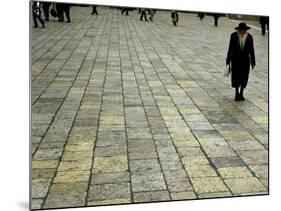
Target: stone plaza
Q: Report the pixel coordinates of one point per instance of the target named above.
(129, 111)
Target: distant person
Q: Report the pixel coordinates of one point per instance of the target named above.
(216, 18)
(201, 15)
(36, 13)
(175, 17)
(151, 14)
(264, 21)
(240, 56)
(46, 9)
(94, 10)
(61, 9)
(125, 10)
(143, 14)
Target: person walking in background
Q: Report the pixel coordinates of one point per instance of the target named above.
(239, 56)
(143, 14)
(46, 9)
(59, 12)
(36, 13)
(216, 18)
(201, 15)
(61, 9)
(125, 10)
(94, 10)
(175, 17)
(151, 14)
(66, 10)
(264, 21)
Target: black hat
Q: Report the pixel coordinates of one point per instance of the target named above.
(242, 26)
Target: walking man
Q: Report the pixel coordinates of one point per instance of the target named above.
(175, 17)
(143, 14)
(201, 15)
(240, 56)
(125, 10)
(216, 18)
(151, 14)
(264, 21)
(94, 11)
(36, 13)
(46, 8)
(61, 9)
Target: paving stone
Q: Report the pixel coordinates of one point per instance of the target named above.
(52, 145)
(110, 151)
(109, 202)
(171, 165)
(194, 160)
(115, 177)
(254, 157)
(77, 155)
(214, 195)
(109, 191)
(260, 171)
(179, 186)
(200, 171)
(44, 164)
(175, 175)
(208, 185)
(183, 195)
(68, 188)
(72, 176)
(144, 165)
(79, 146)
(36, 203)
(245, 185)
(110, 164)
(147, 181)
(245, 145)
(225, 162)
(65, 200)
(40, 187)
(234, 172)
(43, 173)
(190, 151)
(151, 196)
(76, 165)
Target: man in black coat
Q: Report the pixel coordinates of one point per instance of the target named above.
(175, 17)
(216, 18)
(46, 8)
(240, 56)
(36, 13)
(61, 9)
(143, 14)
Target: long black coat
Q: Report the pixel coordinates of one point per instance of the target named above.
(240, 60)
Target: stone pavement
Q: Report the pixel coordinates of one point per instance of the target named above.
(125, 111)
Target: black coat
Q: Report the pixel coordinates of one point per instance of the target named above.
(240, 60)
(175, 16)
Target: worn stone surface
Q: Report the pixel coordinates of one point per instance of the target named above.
(183, 195)
(208, 185)
(110, 164)
(109, 191)
(245, 185)
(151, 196)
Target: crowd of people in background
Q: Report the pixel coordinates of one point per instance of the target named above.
(58, 10)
